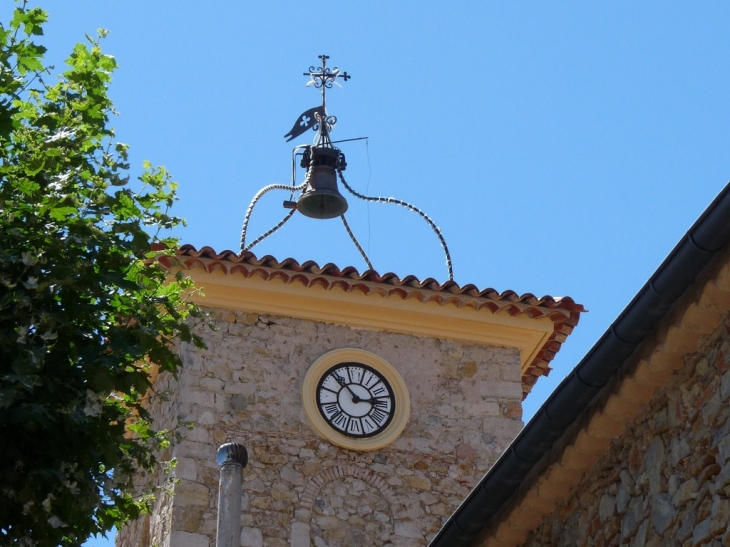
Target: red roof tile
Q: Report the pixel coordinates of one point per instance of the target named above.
(563, 311)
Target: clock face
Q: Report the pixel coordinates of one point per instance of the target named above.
(355, 399)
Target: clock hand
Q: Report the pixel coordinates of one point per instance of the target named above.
(341, 380)
(372, 400)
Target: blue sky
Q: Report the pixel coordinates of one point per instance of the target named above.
(563, 149)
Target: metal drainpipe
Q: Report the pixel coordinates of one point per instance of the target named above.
(232, 457)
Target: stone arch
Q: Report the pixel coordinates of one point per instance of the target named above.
(343, 470)
(344, 505)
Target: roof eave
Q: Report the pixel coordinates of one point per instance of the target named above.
(608, 358)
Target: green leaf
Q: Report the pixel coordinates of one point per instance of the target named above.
(19, 17)
(62, 213)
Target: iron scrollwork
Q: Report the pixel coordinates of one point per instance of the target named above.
(324, 77)
(329, 122)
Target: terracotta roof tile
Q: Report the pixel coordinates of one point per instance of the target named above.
(563, 311)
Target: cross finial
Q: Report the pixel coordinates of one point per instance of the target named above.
(323, 77)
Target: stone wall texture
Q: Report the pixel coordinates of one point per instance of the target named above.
(299, 490)
(666, 479)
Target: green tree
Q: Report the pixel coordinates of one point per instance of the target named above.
(86, 312)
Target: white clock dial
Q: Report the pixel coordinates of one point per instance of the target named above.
(355, 399)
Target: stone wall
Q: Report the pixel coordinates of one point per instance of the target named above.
(300, 490)
(666, 480)
(154, 529)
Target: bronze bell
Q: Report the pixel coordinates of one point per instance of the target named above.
(321, 198)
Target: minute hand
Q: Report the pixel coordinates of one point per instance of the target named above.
(343, 383)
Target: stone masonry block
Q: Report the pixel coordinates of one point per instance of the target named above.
(408, 529)
(191, 493)
(300, 534)
(502, 390)
(196, 397)
(186, 469)
(186, 539)
(252, 537)
(199, 434)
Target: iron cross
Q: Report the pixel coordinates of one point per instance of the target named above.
(322, 77)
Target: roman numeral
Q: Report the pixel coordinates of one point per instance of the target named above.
(354, 426)
(382, 403)
(331, 384)
(330, 408)
(355, 374)
(368, 425)
(380, 390)
(369, 379)
(378, 416)
(339, 419)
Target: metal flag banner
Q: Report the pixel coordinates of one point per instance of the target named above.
(304, 122)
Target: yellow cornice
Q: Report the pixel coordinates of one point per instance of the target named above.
(376, 310)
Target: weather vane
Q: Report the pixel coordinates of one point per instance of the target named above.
(321, 78)
(320, 197)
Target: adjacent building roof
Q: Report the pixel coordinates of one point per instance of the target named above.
(682, 302)
(557, 316)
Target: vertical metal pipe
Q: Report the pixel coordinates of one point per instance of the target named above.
(232, 457)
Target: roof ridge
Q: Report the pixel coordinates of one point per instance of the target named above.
(372, 276)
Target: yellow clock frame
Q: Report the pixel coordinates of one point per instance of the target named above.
(320, 425)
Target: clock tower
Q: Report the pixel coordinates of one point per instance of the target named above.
(369, 404)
